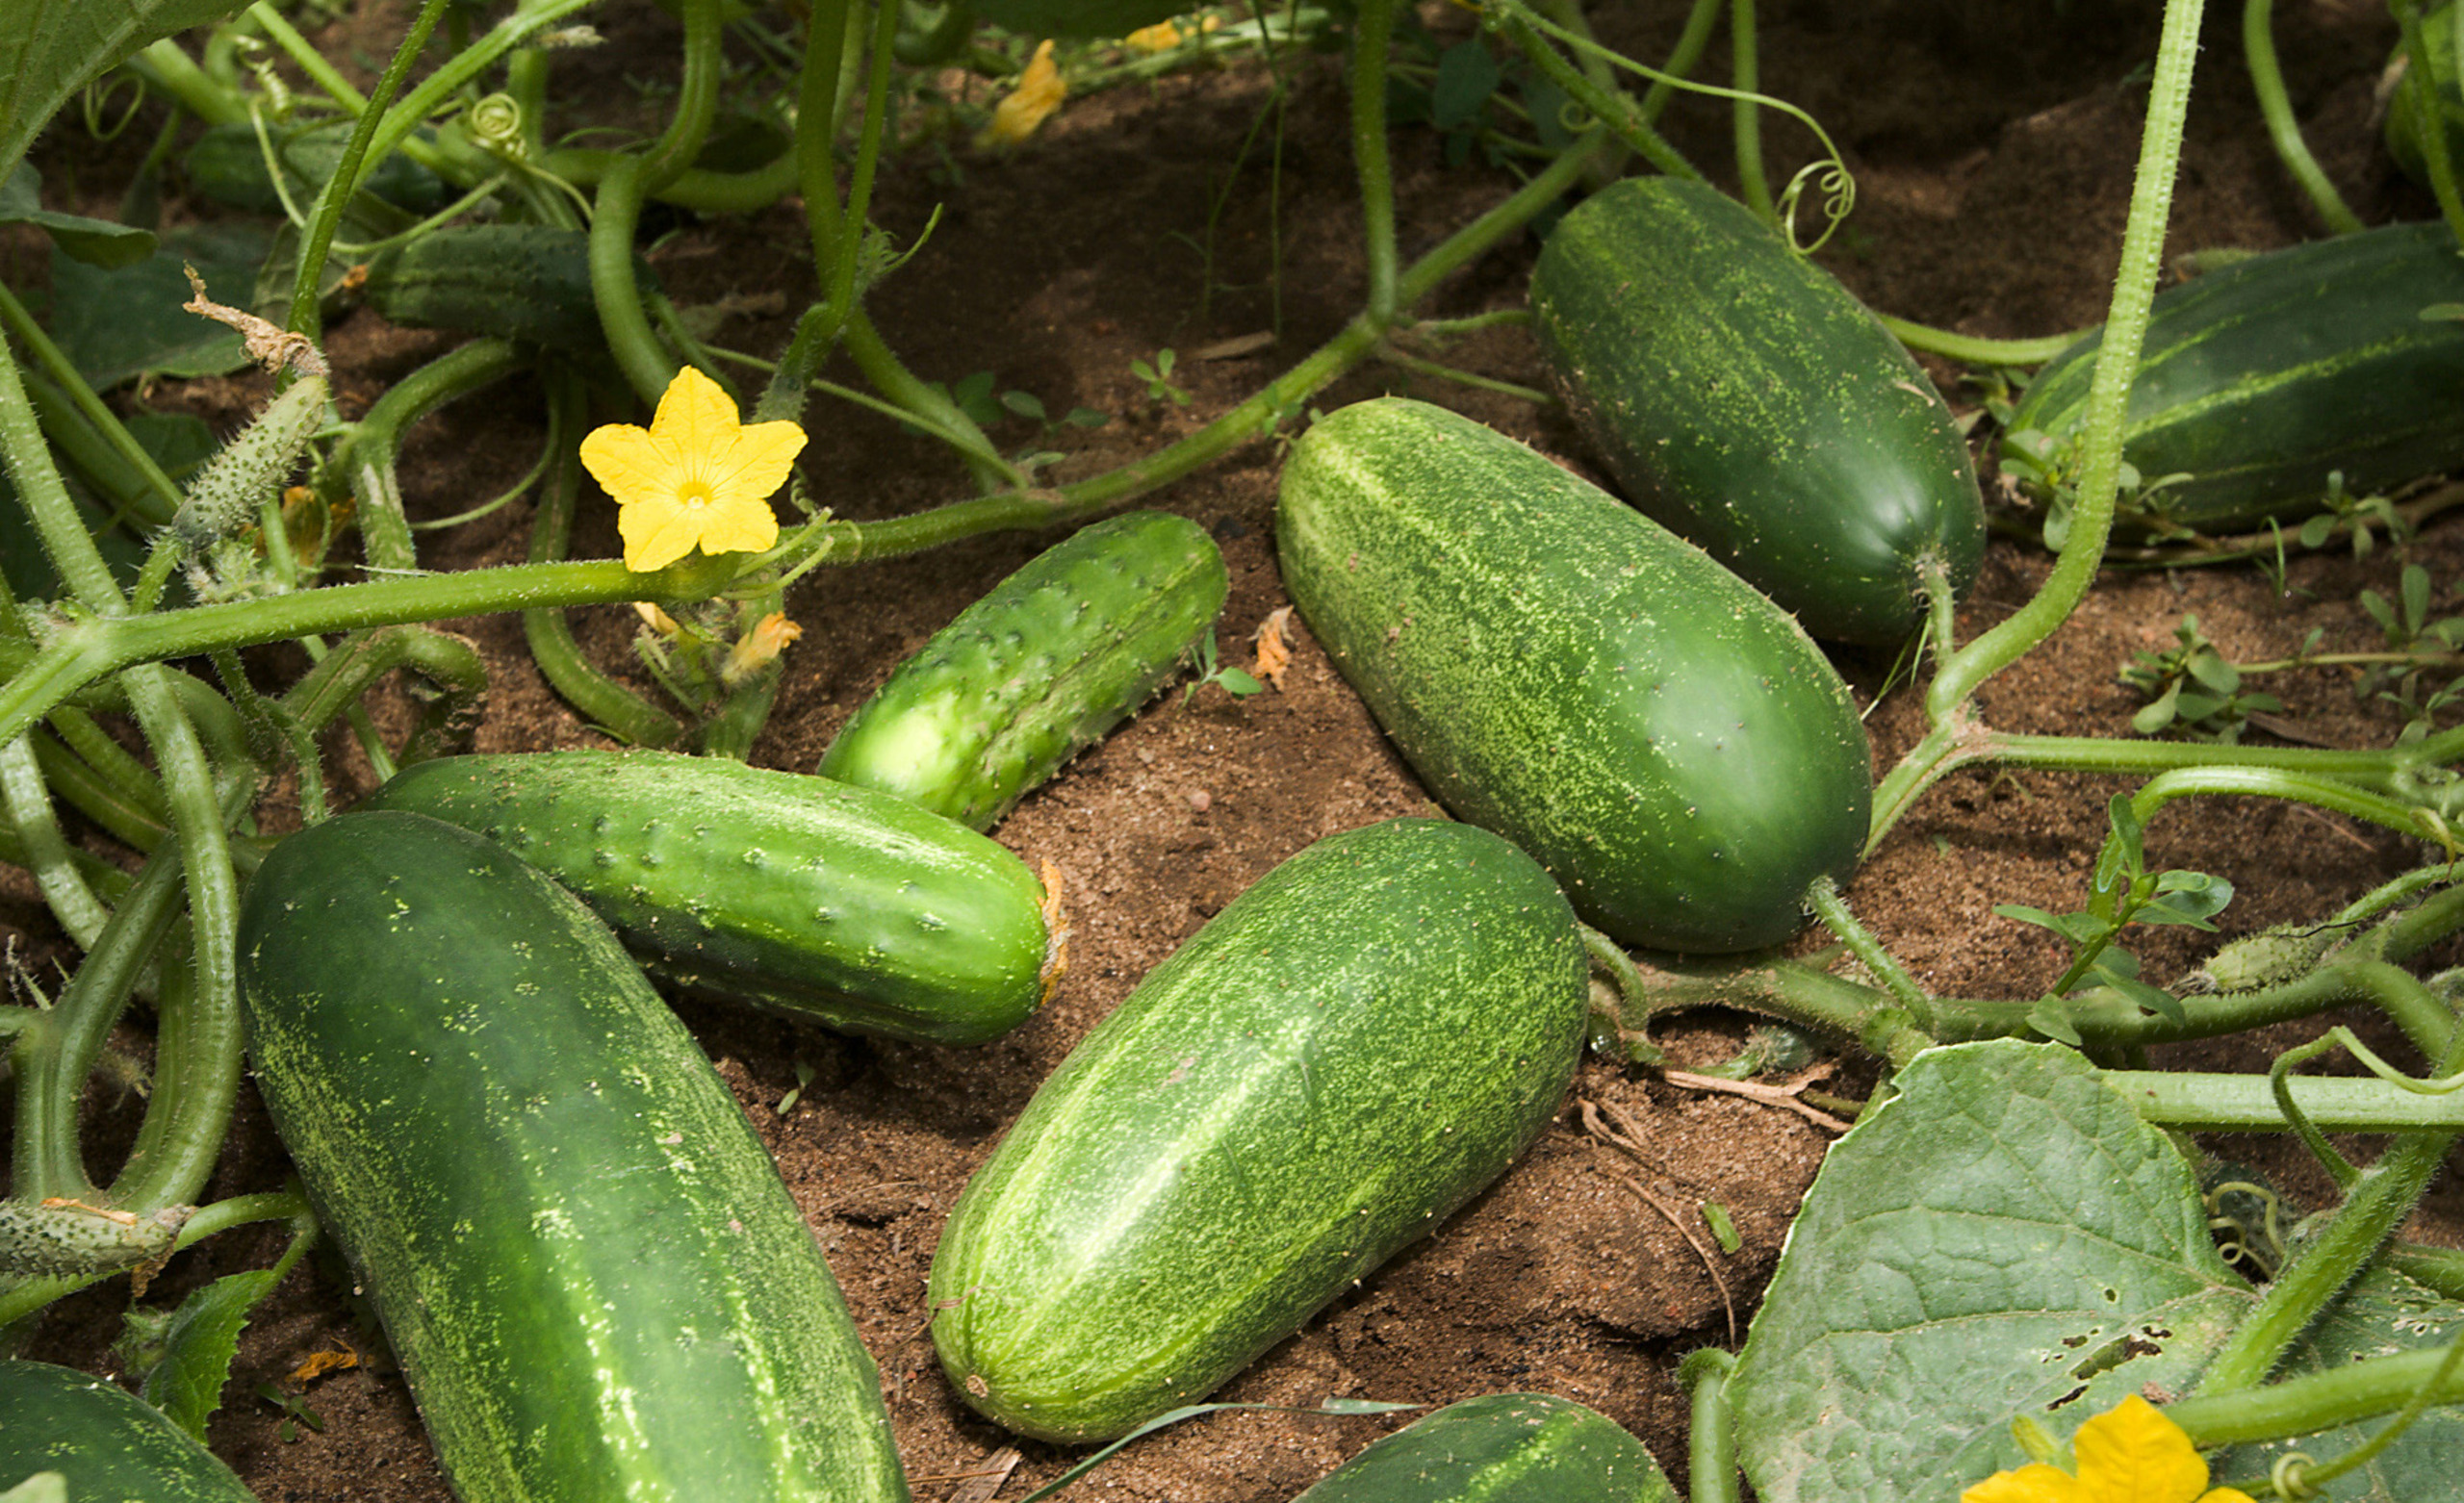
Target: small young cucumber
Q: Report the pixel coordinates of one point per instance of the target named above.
(1563, 670)
(595, 1283)
(108, 1444)
(528, 282)
(1501, 1448)
(1028, 676)
(1745, 400)
(832, 903)
(2260, 379)
(1345, 1054)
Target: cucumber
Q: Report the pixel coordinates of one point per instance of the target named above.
(834, 905)
(110, 1445)
(1744, 400)
(2262, 378)
(1028, 676)
(1501, 1448)
(528, 282)
(1563, 670)
(595, 1283)
(229, 165)
(1346, 1053)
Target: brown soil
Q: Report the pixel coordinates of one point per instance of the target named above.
(1993, 146)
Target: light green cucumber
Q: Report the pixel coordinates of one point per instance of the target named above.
(1563, 670)
(829, 902)
(1501, 1448)
(1028, 676)
(595, 1283)
(1346, 1053)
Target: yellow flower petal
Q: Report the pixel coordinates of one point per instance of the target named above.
(656, 533)
(755, 464)
(1039, 90)
(1161, 36)
(628, 462)
(2133, 1453)
(696, 416)
(2034, 1482)
(697, 478)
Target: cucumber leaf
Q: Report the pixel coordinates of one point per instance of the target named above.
(116, 325)
(99, 243)
(197, 1347)
(2003, 1238)
(52, 48)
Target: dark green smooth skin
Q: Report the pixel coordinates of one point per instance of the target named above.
(1339, 1059)
(1562, 669)
(1501, 1448)
(2260, 377)
(1746, 401)
(110, 1445)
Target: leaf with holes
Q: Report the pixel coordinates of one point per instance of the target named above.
(2005, 1236)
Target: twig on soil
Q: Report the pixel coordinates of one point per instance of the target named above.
(1621, 1137)
(1783, 1096)
(981, 1483)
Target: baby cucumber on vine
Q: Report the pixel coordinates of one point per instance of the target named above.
(1028, 676)
(1749, 402)
(1341, 1058)
(106, 1442)
(2262, 378)
(1501, 1448)
(832, 903)
(529, 282)
(1565, 670)
(595, 1283)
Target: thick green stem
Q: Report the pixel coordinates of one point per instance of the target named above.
(1373, 37)
(1614, 112)
(99, 418)
(365, 461)
(1710, 1432)
(2266, 81)
(697, 99)
(1753, 186)
(2420, 81)
(2108, 390)
(1691, 44)
(26, 801)
(615, 213)
(1972, 351)
(1832, 909)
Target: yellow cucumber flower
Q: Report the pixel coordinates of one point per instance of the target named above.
(2129, 1454)
(696, 477)
(1161, 36)
(1039, 90)
(759, 648)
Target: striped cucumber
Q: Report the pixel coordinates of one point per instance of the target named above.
(1563, 670)
(108, 1444)
(832, 903)
(1501, 1448)
(1749, 402)
(1028, 676)
(595, 1283)
(2260, 379)
(528, 282)
(1345, 1054)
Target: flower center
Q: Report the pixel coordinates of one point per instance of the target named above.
(694, 494)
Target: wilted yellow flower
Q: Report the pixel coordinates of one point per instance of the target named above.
(2129, 1454)
(1161, 36)
(759, 648)
(657, 620)
(1038, 92)
(696, 477)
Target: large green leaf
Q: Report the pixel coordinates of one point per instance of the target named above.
(128, 322)
(97, 241)
(2003, 1238)
(50, 49)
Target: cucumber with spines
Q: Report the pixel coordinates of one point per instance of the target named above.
(1036, 671)
(1501, 1448)
(595, 1283)
(527, 282)
(828, 903)
(1339, 1059)
(1563, 670)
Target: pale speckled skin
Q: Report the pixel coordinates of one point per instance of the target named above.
(596, 1285)
(1563, 670)
(830, 902)
(1346, 1053)
(1501, 1448)
(2259, 378)
(110, 1445)
(1748, 402)
(1038, 669)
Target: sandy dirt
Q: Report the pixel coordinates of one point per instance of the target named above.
(1993, 146)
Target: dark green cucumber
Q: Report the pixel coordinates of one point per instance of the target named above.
(833, 904)
(110, 1446)
(1346, 1053)
(1028, 676)
(1501, 1448)
(2262, 378)
(1749, 402)
(1565, 670)
(595, 1283)
(528, 282)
